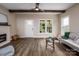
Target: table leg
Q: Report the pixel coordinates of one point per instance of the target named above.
(53, 45)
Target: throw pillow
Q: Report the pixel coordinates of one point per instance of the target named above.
(66, 35)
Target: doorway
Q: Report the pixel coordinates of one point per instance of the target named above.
(29, 28)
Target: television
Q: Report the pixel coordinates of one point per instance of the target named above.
(3, 19)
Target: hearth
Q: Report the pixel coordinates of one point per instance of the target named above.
(3, 37)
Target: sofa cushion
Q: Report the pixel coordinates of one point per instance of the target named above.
(77, 37)
(77, 41)
(73, 36)
(71, 44)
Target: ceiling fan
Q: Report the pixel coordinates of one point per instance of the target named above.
(37, 7)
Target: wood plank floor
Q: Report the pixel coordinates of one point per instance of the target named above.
(37, 47)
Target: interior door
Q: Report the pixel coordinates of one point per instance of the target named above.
(29, 28)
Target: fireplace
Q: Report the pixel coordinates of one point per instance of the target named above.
(3, 37)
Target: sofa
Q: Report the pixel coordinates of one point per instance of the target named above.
(7, 50)
(72, 41)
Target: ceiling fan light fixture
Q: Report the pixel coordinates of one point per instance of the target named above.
(36, 9)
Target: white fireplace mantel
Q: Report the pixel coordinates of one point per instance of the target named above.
(5, 29)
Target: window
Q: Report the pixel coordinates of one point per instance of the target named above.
(42, 26)
(45, 26)
(65, 21)
(65, 25)
(49, 26)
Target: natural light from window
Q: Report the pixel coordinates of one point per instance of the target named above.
(65, 21)
(65, 25)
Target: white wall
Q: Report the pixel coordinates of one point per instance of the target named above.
(12, 22)
(36, 18)
(73, 13)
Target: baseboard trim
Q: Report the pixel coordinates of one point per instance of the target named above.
(32, 37)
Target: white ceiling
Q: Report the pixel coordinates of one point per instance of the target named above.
(55, 6)
(45, 6)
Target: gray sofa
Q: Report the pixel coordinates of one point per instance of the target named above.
(72, 42)
(7, 50)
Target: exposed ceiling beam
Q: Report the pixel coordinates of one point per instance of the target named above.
(61, 11)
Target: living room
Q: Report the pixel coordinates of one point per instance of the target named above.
(26, 27)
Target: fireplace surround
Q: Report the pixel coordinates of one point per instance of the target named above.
(3, 37)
